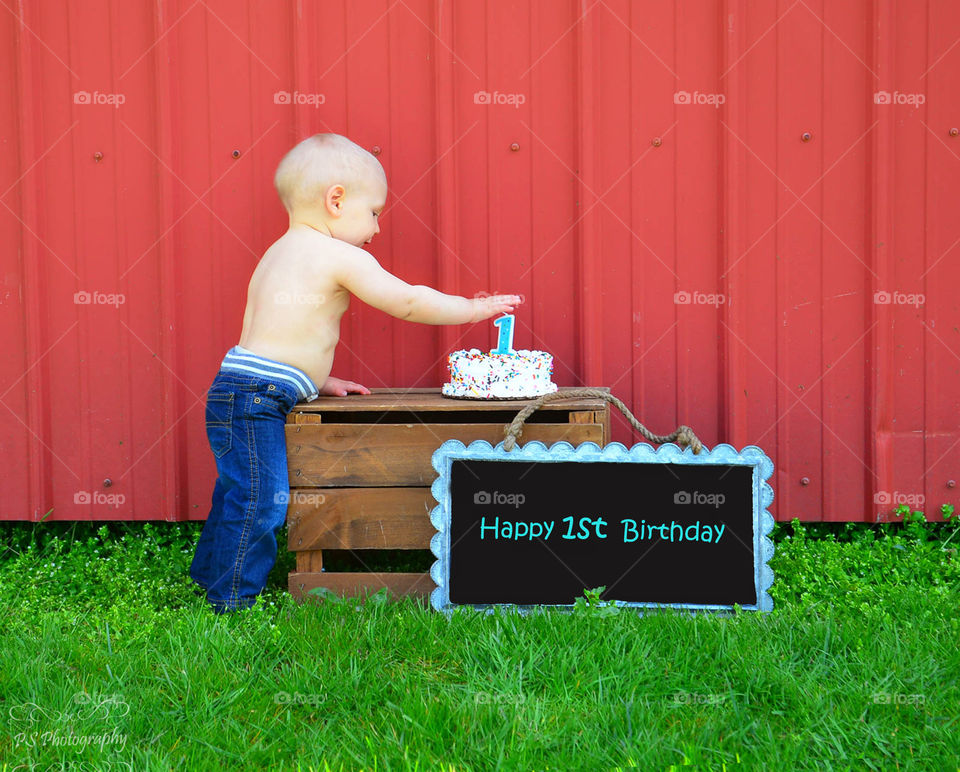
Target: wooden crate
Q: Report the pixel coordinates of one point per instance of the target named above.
(360, 472)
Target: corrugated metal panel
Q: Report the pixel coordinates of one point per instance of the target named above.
(616, 198)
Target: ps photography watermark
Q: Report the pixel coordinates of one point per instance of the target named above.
(96, 497)
(115, 299)
(897, 98)
(496, 497)
(895, 498)
(298, 98)
(90, 706)
(59, 739)
(498, 98)
(98, 98)
(698, 98)
(44, 726)
(696, 497)
(915, 299)
(695, 298)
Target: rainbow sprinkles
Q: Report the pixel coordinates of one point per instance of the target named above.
(477, 375)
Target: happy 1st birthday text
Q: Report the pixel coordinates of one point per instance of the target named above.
(595, 528)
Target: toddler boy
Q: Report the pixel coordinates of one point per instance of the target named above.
(333, 191)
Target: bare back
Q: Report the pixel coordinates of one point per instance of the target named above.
(294, 304)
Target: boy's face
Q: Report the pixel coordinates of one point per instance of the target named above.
(354, 212)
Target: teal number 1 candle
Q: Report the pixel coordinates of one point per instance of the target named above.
(505, 342)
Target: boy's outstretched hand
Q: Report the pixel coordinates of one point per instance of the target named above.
(494, 305)
(337, 387)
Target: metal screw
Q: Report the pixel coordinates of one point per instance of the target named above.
(657, 142)
(108, 482)
(98, 156)
(804, 480)
(951, 483)
(954, 132)
(235, 154)
(515, 146)
(806, 136)
(377, 150)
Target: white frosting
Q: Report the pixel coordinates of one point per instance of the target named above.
(482, 375)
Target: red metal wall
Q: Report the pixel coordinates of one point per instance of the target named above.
(619, 194)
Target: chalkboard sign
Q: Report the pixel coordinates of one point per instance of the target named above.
(536, 526)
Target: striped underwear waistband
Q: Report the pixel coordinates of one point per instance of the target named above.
(240, 359)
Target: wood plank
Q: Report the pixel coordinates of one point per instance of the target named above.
(361, 518)
(381, 399)
(397, 454)
(583, 417)
(305, 418)
(349, 584)
(309, 561)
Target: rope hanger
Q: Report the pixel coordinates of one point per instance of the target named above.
(683, 435)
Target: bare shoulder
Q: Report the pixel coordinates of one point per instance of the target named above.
(345, 263)
(307, 258)
(303, 245)
(324, 254)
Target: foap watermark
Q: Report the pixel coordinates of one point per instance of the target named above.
(483, 295)
(897, 698)
(696, 698)
(497, 497)
(895, 298)
(284, 298)
(695, 298)
(101, 499)
(298, 497)
(898, 98)
(84, 298)
(98, 98)
(498, 98)
(298, 98)
(896, 498)
(698, 98)
(498, 698)
(698, 497)
(286, 698)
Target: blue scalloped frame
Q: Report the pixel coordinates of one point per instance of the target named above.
(590, 452)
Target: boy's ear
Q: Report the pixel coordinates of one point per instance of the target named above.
(334, 200)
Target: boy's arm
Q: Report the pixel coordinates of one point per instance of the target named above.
(359, 272)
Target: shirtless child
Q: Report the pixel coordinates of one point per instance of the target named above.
(333, 191)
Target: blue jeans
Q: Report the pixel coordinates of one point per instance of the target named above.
(246, 410)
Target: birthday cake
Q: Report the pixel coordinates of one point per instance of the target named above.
(522, 374)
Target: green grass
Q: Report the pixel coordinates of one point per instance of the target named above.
(107, 652)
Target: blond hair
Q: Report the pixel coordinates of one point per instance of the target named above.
(306, 172)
